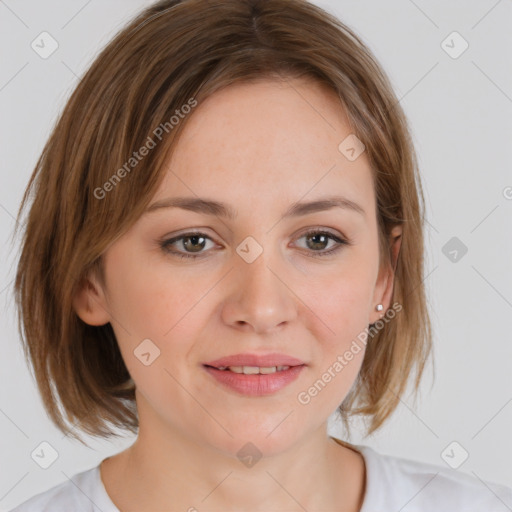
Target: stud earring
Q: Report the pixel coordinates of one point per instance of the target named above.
(378, 307)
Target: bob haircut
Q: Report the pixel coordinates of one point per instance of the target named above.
(94, 179)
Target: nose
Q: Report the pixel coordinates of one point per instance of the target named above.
(259, 300)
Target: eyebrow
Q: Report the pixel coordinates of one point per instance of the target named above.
(210, 207)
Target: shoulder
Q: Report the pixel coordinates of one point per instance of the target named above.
(78, 493)
(420, 487)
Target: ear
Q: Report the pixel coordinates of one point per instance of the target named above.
(385, 280)
(90, 303)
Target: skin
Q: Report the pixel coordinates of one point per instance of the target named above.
(258, 147)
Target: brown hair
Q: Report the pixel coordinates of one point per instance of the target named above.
(172, 54)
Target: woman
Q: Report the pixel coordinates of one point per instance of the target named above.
(224, 247)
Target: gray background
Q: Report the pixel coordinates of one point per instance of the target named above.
(459, 110)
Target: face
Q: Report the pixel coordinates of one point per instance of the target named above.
(201, 285)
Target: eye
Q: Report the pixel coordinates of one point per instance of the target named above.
(319, 238)
(195, 242)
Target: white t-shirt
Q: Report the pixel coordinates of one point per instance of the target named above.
(392, 484)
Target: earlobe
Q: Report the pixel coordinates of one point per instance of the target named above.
(89, 303)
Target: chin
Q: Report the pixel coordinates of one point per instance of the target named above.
(255, 442)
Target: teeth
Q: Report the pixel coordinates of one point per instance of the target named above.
(254, 370)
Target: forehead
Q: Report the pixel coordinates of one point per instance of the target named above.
(267, 142)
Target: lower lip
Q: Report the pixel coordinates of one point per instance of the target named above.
(256, 385)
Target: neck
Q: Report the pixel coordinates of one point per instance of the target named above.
(165, 468)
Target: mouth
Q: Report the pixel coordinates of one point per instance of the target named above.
(252, 370)
(254, 380)
(261, 361)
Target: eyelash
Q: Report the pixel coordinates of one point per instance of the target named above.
(165, 244)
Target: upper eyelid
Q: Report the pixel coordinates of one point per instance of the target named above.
(202, 231)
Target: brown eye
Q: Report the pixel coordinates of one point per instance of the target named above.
(318, 241)
(190, 243)
(194, 243)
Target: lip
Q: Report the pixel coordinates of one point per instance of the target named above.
(255, 385)
(263, 360)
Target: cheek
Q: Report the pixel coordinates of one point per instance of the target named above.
(339, 322)
(340, 303)
(148, 298)
(149, 307)
(135, 302)
(170, 311)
